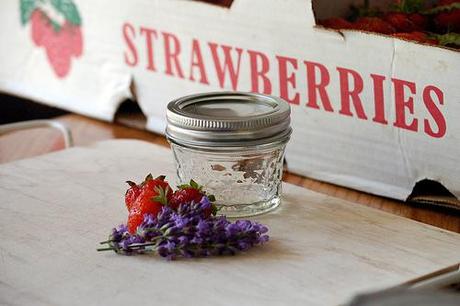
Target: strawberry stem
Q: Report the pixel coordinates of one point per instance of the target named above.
(107, 241)
(105, 249)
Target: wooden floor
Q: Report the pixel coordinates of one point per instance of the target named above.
(86, 131)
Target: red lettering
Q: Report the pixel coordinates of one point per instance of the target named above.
(286, 80)
(149, 35)
(347, 94)
(129, 34)
(259, 73)
(172, 51)
(314, 87)
(379, 99)
(401, 104)
(227, 65)
(197, 62)
(434, 111)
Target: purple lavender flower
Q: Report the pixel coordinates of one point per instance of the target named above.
(117, 233)
(187, 232)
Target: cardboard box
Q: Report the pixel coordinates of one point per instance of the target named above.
(369, 112)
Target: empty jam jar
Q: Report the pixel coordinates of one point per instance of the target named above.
(233, 144)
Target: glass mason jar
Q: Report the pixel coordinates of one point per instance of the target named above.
(233, 144)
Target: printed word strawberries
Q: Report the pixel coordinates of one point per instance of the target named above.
(55, 26)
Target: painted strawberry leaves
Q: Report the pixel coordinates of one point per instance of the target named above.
(66, 7)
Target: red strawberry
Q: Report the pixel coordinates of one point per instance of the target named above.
(153, 195)
(399, 21)
(185, 195)
(447, 18)
(135, 190)
(135, 219)
(447, 2)
(373, 24)
(131, 194)
(448, 21)
(419, 21)
(418, 37)
(335, 23)
(405, 17)
(188, 193)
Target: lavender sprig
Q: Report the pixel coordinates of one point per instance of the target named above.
(187, 232)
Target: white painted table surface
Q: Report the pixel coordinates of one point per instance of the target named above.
(56, 208)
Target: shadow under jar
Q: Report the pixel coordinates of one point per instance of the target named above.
(232, 143)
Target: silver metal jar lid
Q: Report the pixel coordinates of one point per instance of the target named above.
(230, 119)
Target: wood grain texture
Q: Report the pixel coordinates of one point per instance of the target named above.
(56, 207)
(87, 131)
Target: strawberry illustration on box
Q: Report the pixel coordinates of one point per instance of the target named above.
(55, 26)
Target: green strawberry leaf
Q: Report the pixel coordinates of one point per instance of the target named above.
(442, 8)
(194, 184)
(131, 183)
(162, 196)
(68, 9)
(365, 10)
(409, 6)
(27, 8)
(449, 39)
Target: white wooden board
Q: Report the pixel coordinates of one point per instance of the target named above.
(55, 208)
